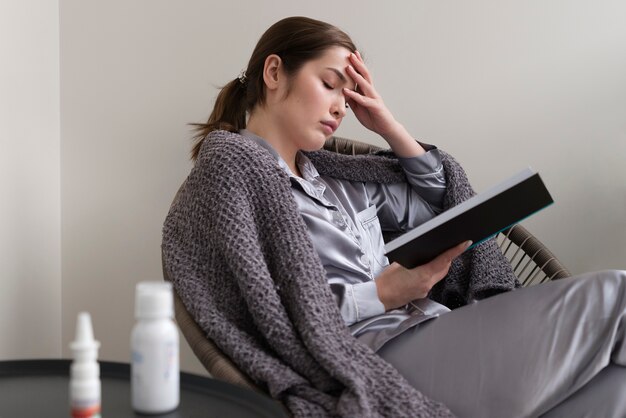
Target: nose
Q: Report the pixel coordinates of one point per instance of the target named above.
(339, 106)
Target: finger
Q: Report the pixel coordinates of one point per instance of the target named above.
(364, 86)
(356, 76)
(443, 261)
(359, 64)
(357, 98)
(362, 77)
(457, 250)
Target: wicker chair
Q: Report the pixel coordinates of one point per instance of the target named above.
(532, 262)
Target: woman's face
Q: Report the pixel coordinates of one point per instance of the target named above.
(315, 104)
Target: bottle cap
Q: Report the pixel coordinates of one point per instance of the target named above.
(154, 300)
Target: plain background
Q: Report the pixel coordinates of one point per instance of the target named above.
(96, 97)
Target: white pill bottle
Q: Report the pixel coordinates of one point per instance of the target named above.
(155, 387)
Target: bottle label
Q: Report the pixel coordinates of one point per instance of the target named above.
(89, 412)
(155, 377)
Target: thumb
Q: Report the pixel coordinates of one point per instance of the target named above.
(452, 253)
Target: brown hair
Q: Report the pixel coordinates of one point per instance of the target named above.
(295, 40)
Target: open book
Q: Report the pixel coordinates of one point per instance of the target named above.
(478, 219)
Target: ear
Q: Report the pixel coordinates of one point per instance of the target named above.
(272, 71)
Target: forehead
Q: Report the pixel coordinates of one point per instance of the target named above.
(334, 60)
(336, 55)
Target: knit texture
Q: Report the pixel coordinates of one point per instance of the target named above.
(242, 261)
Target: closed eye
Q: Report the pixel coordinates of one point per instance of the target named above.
(328, 86)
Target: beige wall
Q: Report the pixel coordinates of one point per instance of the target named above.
(501, 85)
(30, 219)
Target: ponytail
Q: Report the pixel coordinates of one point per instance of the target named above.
(229, 113)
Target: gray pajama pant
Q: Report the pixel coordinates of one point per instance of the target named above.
(552, 350)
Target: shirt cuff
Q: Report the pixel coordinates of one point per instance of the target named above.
(366, 300)
(425, 164)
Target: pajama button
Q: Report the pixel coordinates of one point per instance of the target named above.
(339, 220)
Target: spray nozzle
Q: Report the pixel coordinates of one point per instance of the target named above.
(83, 340)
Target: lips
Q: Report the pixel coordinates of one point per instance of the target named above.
(331, 124)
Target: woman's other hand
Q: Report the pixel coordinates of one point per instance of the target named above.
(371, 111)
(397, 286)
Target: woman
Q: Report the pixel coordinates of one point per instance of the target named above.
(277, 252)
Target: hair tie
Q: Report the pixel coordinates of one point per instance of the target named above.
(242, 77)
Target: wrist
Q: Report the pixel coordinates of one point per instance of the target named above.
(394, 133)
(402, 143)
(382, 295)
(392, 287)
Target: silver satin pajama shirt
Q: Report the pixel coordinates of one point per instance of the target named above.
(346, 220)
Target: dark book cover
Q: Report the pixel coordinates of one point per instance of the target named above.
(477, 219)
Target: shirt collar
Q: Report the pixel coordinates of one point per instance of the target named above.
(309, 182)
(308, 170)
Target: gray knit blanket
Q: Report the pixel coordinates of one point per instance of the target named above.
(241, 259)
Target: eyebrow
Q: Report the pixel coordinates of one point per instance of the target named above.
(336, 71)
(341, 76)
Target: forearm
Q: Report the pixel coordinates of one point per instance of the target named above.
(402, 143)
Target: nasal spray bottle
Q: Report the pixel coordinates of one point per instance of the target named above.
(84, 371)
(154, 344)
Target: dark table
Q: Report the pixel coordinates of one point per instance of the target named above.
(39, 388)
